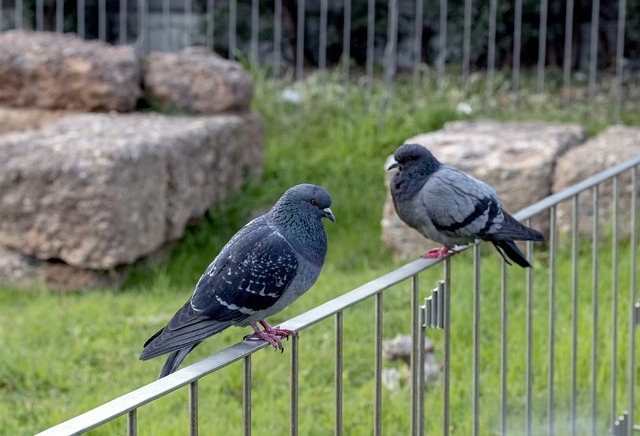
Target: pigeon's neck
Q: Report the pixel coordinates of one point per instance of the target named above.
(305, 233)
(408, 182)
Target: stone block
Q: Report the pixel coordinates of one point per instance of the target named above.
(607, 149)
(197, 80)
(61, 71)
(97, 191)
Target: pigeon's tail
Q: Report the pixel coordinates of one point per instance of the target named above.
(175, 359)
(510, 249)
(514, 230)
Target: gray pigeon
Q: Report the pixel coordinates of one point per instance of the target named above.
(452, 207)
(268, 264)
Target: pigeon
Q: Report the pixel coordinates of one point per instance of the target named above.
(453, 208)
(268, 264)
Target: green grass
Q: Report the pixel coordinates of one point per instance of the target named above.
(63, 354)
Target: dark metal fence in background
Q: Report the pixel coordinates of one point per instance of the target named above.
(590, 46)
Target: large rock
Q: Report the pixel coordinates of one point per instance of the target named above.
(19, 119)
(611, 147)
(516, 158)
(61, 71)
(97, 191)
(197, 80)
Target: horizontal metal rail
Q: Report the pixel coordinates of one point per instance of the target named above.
(146, 394)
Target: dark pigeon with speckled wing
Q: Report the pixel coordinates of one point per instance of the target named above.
(267, 265)
(451, 207)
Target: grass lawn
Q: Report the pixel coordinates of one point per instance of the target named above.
(63, 354)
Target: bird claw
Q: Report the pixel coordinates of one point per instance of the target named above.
(439, 253)
(270, 334)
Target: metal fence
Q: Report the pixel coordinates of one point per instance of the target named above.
(590, 318)
(590, 48)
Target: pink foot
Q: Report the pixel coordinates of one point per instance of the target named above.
(270, 334)
(438, 253)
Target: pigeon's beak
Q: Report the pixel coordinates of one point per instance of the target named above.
(328, 214)
(391, 163)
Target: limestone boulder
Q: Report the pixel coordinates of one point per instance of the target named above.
(97, 191)
(516, 158)
(61, 71)
(19, 119)
(607, 149)
(197, 80)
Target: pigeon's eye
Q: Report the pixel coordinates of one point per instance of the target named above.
(314, 202)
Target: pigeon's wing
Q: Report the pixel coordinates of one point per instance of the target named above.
(460, 205)
(249, 275)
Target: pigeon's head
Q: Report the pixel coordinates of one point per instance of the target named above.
(415, 158)
(308, 200)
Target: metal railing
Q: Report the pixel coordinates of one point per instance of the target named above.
(436, 313)
(426, 40)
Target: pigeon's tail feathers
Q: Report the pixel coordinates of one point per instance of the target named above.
(167, 341)
(510, 249)
(185, 328)
(174, 360)
(514, 230)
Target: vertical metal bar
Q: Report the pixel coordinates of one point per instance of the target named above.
(552, 321)
(188, 22)
(193, 408)
(233, 20)
(633, 319)
(594, 301)
(622, 16)
(122, 31)
(442, 39)
(210, 14)
(132, 422)
(59, 16)
(593, 51)
(491, 54)
(517, 41)
(371, 25)
(417, 50)
(428, 305)
(255, 30)
(421, 381)
(504, 334)
(277, 38)
(322, 55)
(614, 297)
(447, 347)
(529, 353)
(466, 45)
(338, 374)
(390, 53)
(542, 44)
(246, 395)
(390, 49)
(80, 8)
(574, 310)
(415, 326)
(293, 427)
(435, 307)
(377, 410)
(165, 24)
(300, 41)
(19, 13)
(39, 15)
(346, 44)
(476, 340)
(566, 65)
(102, 20)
